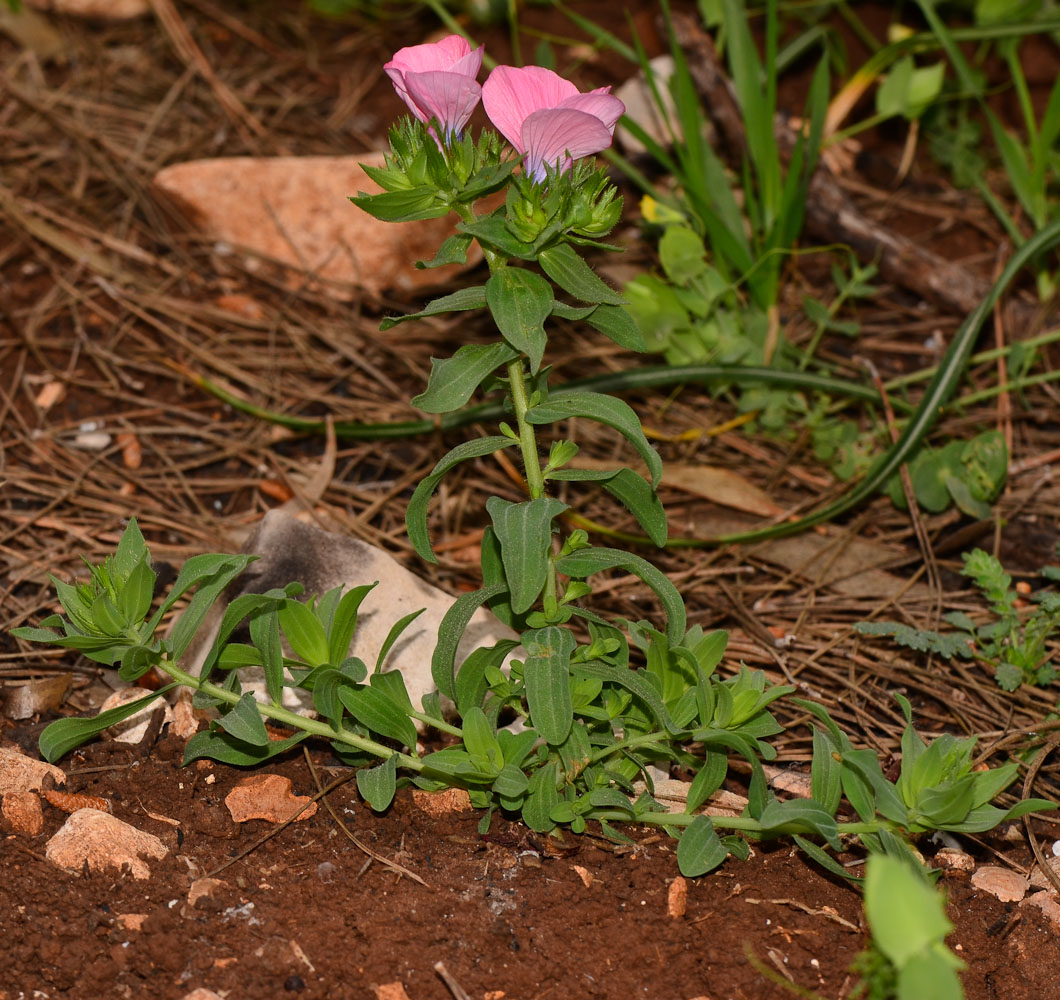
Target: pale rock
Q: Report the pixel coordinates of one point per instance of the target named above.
(677, 898)
(22, 813)
(131, 921)
(391, 991)
(954, 860)
(672, 793)
(1007, 885)
(268, 797)
(1040, 880)
(444, 803)
(1047, 902)
(102, 841)
(295, 210)
(203, 888)
(185, 723)
(320, 560)
(202, 993)
(19, 773)
(101, 10)
(642, 107)
(133, 729)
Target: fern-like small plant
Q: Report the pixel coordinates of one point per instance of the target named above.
(1014, 644)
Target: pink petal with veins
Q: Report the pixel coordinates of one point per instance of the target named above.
(560, 135)
(449, 97)
(511, 94)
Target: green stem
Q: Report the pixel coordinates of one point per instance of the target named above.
(293, 719)
(535, 479)
(742, 823)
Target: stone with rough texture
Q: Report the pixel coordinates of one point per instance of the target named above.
(202, 994)
(19, 773)
(444, 803)
(677, 898)
(203, 888)
(320, 560)
(133, 729)
(22, 813)
(951, 859)
(102, 10)
(1007, 885)
(391, 991)
(1047, 902)
(102, 841)
(268, 797)
(295, 210)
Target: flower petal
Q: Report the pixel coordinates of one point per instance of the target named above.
(449, 97)
(560, 135)
(443, 54)
(511, 94)
(598, 103)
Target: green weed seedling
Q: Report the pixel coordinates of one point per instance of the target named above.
(1014, 645)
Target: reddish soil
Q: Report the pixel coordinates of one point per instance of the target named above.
(307, 914)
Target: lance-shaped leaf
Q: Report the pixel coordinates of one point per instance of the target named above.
(563, 265)
(416, 513)
(378, 784)
(630, 490)
(372, 708)
(637, 684)
(616, 323)
(525, 533)
(461, 301)
(244, 722)
(547, 676)
(606, 410)
(452, 251)
(451, 630)
(520, 301)
(585, 562)
(219, 745)
(403, 206)
(453, 380)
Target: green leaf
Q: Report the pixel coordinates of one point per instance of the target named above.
(801, 816)
(707, 781)
(403, 206)
(511, 783)
(372, 708)
(606, 410)
(699, 849)
(563, 265)
(524, 531)
(542, 798)
(244, 722)
(265, 634)
(416, 514)
(451, 630)
(134, 601)
(304, 632)
(452, 251)
(616, 323)
(480, 741)
(221, 746)
(64, 735)
(586, 562)
(378, 784)
(453, 380)
(471, 682)
(546, 673)
(520, 302)
(906, 915)
(210, 573)
(394, 634)
(343, 623)
(631, 490)
(637, 684)
(459, 301)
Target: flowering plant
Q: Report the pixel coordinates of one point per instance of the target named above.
(594, 726)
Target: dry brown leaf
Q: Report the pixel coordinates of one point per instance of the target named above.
(42, 694)
(132, 455)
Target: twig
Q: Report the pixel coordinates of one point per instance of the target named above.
(458, 991)
(374, 855)
(1032, 772)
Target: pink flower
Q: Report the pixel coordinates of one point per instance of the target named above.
(544, 116)
(438, 81)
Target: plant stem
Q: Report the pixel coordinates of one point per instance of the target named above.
(292, 719)
(535, 479)
(742, 823)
